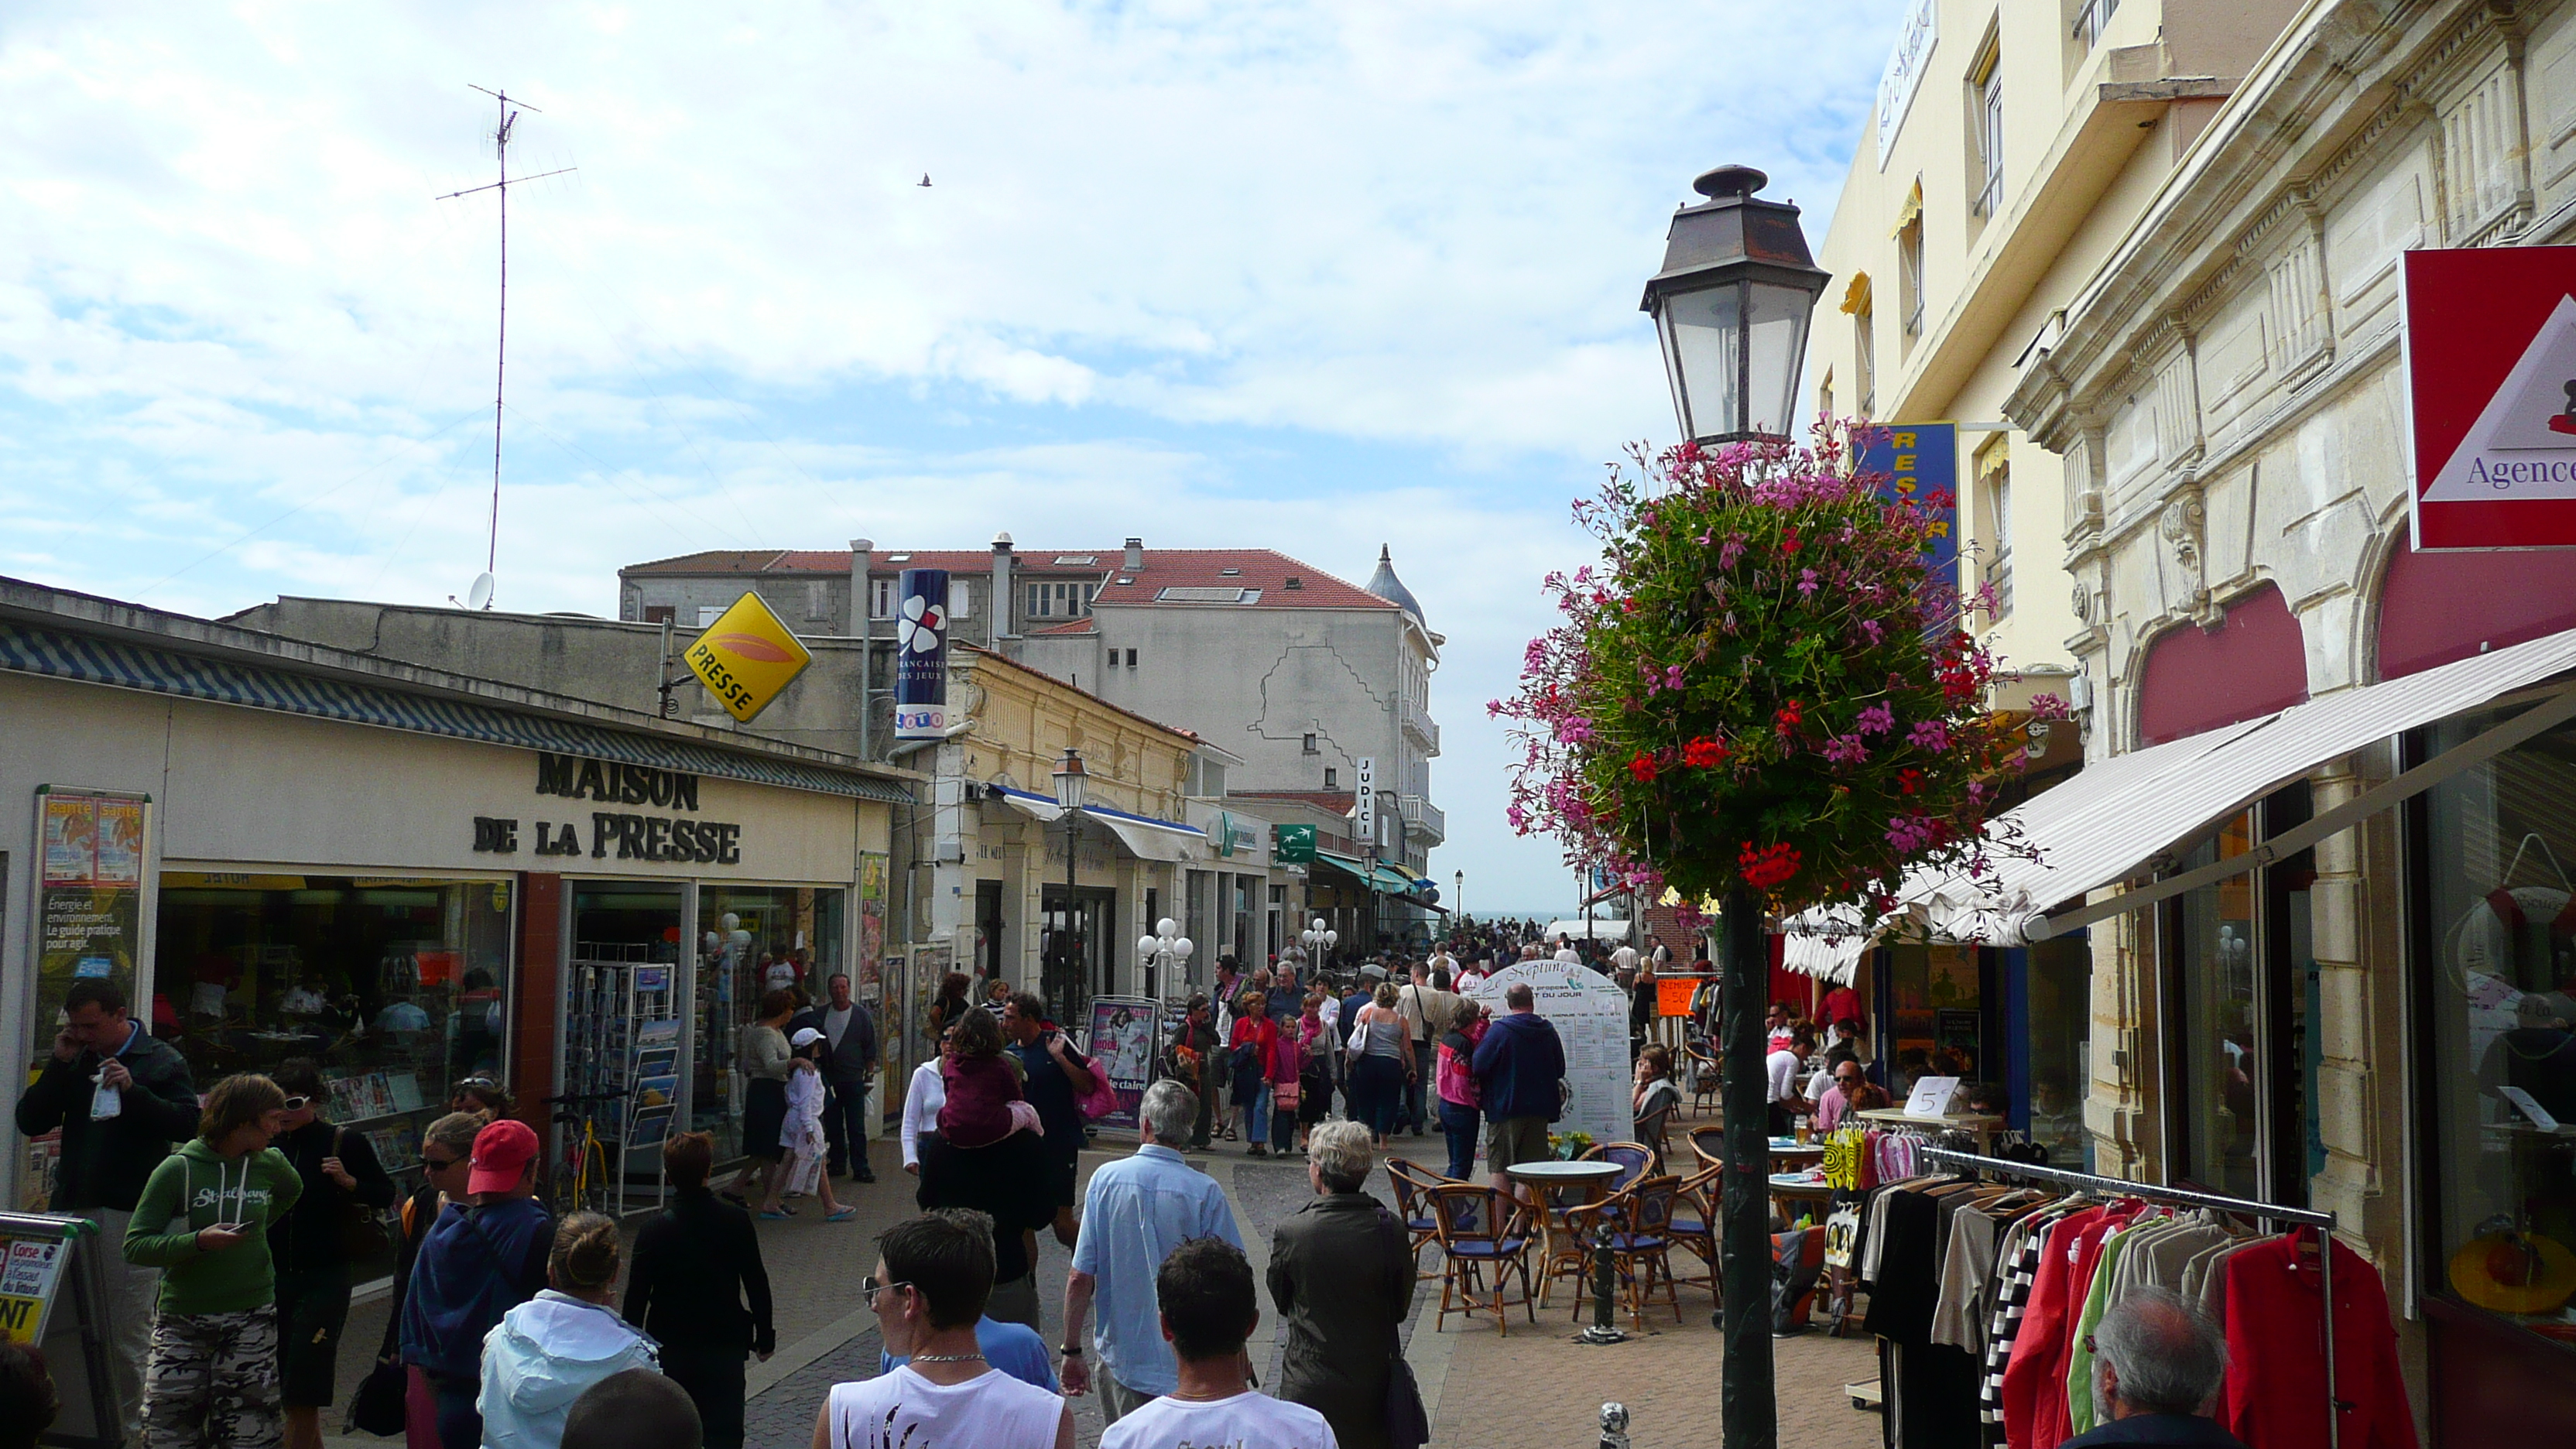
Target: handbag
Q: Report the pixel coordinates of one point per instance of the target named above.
(377, 1407)
(1101, 1100)
(362, 1229)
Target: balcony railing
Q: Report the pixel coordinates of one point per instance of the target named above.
(1424, 729)
(1423, 817)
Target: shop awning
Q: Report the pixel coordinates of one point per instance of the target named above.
(1383, 879)
(1029, 803)
(1396, 881)
(1148, 839)
(2097, 828)
(1825, 944)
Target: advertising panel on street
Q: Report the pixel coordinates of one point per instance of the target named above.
(2490, 365)
(1591, 1018)
(921, 655)
(1122, 1044)
(746, 657)
(89, 921)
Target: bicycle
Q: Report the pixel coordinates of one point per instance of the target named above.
(581, 1181)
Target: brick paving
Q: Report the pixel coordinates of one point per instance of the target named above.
(1536, 1388)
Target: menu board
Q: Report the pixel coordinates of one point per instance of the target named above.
(1590, 1015)
(29, 1270)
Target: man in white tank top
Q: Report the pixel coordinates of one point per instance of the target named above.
(1208, 1310)
(933, 1275)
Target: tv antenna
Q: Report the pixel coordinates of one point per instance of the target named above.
(481, 594)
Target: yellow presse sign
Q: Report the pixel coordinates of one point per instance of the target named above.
(746, 657)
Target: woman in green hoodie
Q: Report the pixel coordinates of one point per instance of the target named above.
(203, 1220)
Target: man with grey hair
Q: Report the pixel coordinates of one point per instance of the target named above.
(2158, 1364)
(1136, 1211)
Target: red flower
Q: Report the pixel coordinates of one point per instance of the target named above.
(1704, 754)
(1766, 866)
(1908, 781)
(1643, 767)
(1785, 719)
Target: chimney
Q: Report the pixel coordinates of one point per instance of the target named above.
(862, 553)
(1135, 554)
(1001, 621)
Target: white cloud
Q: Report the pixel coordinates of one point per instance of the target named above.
(1306, 275)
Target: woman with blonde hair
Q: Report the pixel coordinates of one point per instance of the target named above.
(1381, 1063)
(550, 1348)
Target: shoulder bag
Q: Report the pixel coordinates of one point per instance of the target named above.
(362, 1228)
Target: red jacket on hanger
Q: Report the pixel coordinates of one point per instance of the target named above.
(2276, 1368)
(2036, 1372)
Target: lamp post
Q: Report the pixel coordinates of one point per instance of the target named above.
(1166, 947)
(1731, 307)
(1318, 943)
(1458, 895)
(1070, 783)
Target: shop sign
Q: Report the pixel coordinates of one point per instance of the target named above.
(1293, 844)
(921, 655)
(2490, 362)
(1364, 813)
(575, 778)
(632, 837)
(1915, 38)
(1233, 837)
(746, 657)
(1920, 462)
(89, 894)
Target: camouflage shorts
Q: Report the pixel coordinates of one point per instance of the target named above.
(212, 1380)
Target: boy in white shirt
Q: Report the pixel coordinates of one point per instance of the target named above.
(1205, 1292)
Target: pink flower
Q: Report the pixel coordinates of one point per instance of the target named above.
(1878, 719)
(1807, 583)
(1930, 735)
(1845, 750)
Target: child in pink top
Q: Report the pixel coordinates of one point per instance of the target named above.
(985, 1103)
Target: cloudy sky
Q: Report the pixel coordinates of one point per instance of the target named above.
(1313, 276)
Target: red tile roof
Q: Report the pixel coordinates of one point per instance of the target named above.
(1077, 626)
(1165, 568)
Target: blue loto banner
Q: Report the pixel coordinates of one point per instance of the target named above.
(1920, 462)
(921, 655)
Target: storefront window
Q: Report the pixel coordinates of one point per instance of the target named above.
(621, 1021)
(396, 986)
(752, 939)
(1938, 1026)
(2210, 1028)
(2496, 966)
(2049, 1107)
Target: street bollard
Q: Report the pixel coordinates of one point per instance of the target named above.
(1614, 1426)
(1602, 1329)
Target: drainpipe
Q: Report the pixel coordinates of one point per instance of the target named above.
(862, 554)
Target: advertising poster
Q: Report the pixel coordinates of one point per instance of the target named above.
(2489, 337)
(1591, 1018)
(921, 655)
(29, 1274)
(1122, 1044)
(869, 983)
(89, 900)
(1920, 461)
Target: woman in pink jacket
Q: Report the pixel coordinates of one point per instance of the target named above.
(1456, 1083)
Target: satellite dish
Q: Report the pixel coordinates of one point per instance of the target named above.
(480, 596)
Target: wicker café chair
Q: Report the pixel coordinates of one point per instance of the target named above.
(1694, 1224)
(1705, 1083)
(1635, 1160)
(1708, 1144)
(1484, 1240)
(1413, 1185)
(1641, 1241)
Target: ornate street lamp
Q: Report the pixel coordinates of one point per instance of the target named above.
(1731, 308)
(1166, 947)
(1070, 780)
(1319, 943)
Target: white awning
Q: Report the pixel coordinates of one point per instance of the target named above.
(1035, 806)
(2098, 827)
(1153, 840)
(1831, 959)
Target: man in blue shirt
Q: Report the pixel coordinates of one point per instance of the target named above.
(1520, 1080)
(1137, 1210)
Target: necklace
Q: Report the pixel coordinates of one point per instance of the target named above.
(947, 1358)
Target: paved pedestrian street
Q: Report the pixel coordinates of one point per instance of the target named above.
(1534, 1388)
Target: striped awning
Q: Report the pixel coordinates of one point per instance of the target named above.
(56, 654)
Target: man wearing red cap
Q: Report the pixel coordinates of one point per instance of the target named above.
(482, 1258)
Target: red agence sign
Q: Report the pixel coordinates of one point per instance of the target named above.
(2490, 362)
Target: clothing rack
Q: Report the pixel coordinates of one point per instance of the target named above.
(2324, 1222)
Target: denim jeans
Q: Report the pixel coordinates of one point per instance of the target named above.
(1380, 1093)
(1256, 1126)
(1460, 1123)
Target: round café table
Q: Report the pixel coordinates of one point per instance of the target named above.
(1558, 1243)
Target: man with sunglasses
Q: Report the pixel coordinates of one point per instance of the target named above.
(1852, 1091)
(932, 1276)
(120, 1098)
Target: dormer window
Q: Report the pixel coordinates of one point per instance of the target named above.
(1294, 582)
